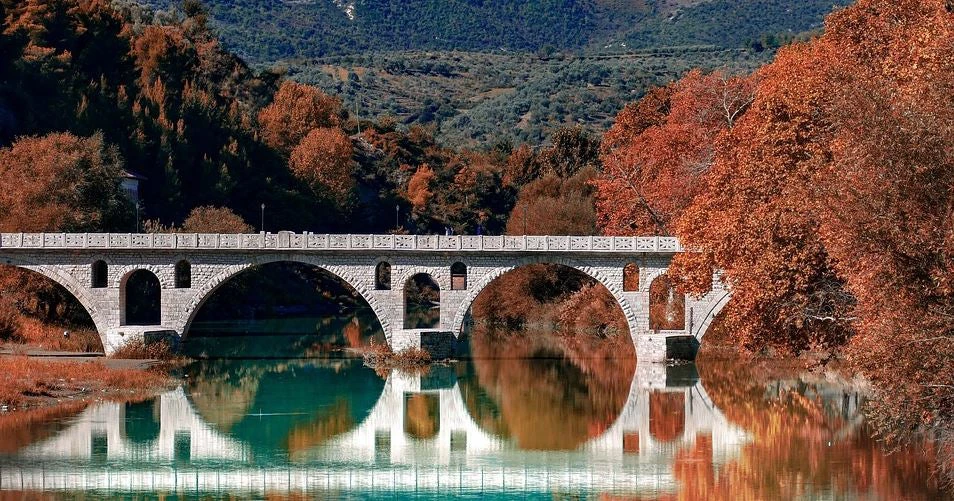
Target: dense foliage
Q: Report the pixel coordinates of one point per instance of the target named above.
(827, 201)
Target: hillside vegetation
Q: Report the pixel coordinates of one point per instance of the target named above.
(263, 31)
(480, 98)
(482, 72)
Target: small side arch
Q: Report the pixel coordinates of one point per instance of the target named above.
(140, 298)
(99, 274)
(183, 278)
(382, 276)
(458, 273)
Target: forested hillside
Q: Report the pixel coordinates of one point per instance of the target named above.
(264, 31)
(510, 70)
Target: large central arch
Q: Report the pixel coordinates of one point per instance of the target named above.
(339, 272)
(593, 272)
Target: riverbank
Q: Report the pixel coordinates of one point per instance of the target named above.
(50, 379)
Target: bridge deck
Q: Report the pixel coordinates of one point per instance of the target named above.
(284, 241)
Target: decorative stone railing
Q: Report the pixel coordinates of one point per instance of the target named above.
(328, 242)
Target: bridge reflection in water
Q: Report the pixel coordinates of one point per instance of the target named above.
(109, 447)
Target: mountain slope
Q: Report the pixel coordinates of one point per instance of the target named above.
(264, 31)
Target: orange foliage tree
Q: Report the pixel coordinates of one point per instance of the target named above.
(829, 204)
(295, 110)
(60, 182)
(660, 147)
(210, 219)
(323, 159)
(886, 200)
(419, 187)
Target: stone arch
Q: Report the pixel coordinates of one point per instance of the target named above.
(165, 274)
(364, 288)
(713, 309)
(99, 274)
(406, 305)
(72, 284)
(149, 276)
(382, 276)
(676, 299)
(458, 272)
(631, 277)
(616, 290)
(183, 274)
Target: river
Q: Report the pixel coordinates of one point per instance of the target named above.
(305, 421)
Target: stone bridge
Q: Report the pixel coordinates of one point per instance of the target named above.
(188, 268)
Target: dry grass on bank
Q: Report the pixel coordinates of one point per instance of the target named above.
(138, 349)
(30, 382)
(17, 328)
(380, 358)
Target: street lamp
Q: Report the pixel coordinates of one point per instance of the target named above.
(524, 219)
(397, 216)
(263, 218)
(137, 216)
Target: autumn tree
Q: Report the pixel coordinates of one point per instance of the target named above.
(571, 150)
(886, 201)
(58, 182)
(295, 110)
(324, 161)
(655, 155)
(61, 182)
(419, 187)
(828, 204)
(210, 219)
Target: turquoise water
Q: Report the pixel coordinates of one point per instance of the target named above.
(321, 425)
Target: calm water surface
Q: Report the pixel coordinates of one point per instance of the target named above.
(563, 427)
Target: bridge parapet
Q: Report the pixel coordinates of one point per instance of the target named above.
(340, 242)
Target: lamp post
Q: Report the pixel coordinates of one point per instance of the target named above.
(525, 219)
(137, 216)
(263, 218)
(397, 216)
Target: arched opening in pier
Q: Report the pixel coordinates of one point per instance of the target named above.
(183, 275)
(422, 302)
(667, 306)
(141, 298)
(37, 310)
(283, 309)
(382, 276)
(631, 277)
(553, 360)
(99, 274)
(458, 276)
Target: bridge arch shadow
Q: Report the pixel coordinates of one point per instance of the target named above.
(305, 289)
(61, 300)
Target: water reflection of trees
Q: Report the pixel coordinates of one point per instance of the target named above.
(804, 441)
(542, 393)
(307, 401)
